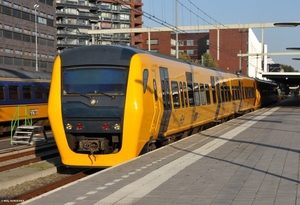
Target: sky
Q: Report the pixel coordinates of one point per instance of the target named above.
(222, 12)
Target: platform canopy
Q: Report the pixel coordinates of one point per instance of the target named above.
(289, 78)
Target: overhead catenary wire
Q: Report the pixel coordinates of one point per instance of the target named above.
(176, 29)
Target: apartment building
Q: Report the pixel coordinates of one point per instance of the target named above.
(75, 17)
(27, 34)
(192, 44)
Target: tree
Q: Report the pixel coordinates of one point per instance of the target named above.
(184, 56)
(288, 68)
(209, 61)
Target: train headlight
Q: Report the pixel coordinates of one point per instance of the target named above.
(69, 126)
(79, 126)
(105, 127)
(93, 101)
(117, 126)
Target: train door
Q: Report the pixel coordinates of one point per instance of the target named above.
(156, 109)
(164, 77)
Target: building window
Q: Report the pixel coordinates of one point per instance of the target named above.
(6, 3)
(16, 6)
(190, 42)
(7, 27)
(152, 42)
(190, 52)
(124, 17)
(181, 43)
(25, 8)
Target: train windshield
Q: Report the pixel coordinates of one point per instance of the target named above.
(95, 80)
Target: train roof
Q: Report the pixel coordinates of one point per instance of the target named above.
(118, 54)
(24, 74)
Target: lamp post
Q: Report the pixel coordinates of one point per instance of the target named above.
(36, 6)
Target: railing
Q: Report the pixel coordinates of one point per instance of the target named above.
(15, 122)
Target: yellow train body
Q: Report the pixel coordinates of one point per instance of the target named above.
(165, 98)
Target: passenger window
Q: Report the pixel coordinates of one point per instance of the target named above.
(2, 93)
(228, 93)
(181, 94)
(207, 93)
(39, 94)
(197, 94)
(155, 90)
(202, 94)
(185, 95)
(13, 92)
(213, 89)
(27, 95)
(145, 79)
(191, 94)
(175, 94)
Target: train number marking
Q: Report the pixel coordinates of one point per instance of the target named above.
(33, 112)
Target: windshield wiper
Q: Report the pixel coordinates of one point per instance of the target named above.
(108, 95)
(90, 97)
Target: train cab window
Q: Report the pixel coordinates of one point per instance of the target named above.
(191, 94)
(27, 94)
(181, 94)
(197, 94)
(2, 93)
(13, 92)
(207, 93)
(213, 89)
(175, 95)
(39, 94)
(202, 93)
(145, 79)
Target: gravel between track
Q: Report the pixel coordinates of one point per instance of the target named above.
(14, 191)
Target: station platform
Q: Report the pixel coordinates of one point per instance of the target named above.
(253, 159)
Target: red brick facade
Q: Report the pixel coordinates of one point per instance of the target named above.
(231, 43)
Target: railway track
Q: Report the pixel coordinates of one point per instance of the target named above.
(78, 174)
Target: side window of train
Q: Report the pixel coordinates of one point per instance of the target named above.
(13, 92)
(213, 89)
(185, 95)
(191, 94)
(181, 94)
(207, 93)
(27, 94)
(155, 90)
(202, 92)
(228, 93)
(175, 95)
(2, 93)
(223, 94)
(145, 79)
(233, 92)
(39, 92)
(197, 94)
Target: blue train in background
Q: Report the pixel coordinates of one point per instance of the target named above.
(23, 95)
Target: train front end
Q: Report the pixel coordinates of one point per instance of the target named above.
(87, 101)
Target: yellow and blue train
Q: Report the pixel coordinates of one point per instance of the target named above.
(109, 104)
(23, 95)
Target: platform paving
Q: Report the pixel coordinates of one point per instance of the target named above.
(253, 159)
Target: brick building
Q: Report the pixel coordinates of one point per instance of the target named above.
(18, 34)
(225, 48)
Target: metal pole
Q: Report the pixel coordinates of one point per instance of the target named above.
(176, 29)
(36, 51)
